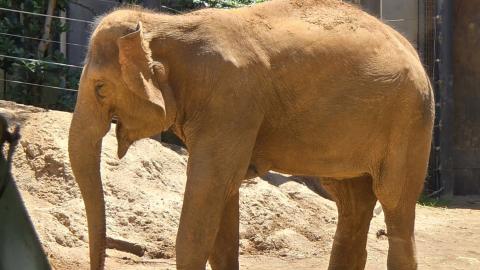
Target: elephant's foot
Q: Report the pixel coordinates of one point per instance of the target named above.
(345, 258)
(225, 264)
(401, 240)
(195, 266)
(225, 251)
(401, 254)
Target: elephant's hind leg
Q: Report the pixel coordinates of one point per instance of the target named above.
(400, 230)
(397, 187)
(400, 212)
(225, 251)
(355, 202)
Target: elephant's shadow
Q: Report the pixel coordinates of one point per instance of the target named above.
(313, 183)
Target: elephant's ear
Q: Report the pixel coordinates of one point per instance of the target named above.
(139, 71)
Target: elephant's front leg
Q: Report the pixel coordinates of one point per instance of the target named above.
(209, 221)
(225, 251)
(209, 195)
(204, 201)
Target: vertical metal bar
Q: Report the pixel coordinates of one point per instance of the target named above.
(381, 9)
(421, 35)
(63, 35)
(5, 84)
(445, 84)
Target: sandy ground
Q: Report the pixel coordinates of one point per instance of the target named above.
(447, 239)
(284, 224)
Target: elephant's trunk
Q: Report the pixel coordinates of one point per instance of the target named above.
(85, 141)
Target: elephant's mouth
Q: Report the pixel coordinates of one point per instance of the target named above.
(123, 140)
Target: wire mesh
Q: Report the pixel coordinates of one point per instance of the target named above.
(44, 15)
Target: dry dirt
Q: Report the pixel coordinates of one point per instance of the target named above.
(284, 224)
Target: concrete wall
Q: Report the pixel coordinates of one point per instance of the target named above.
(80, 31)
(401, 15)
(466, 97)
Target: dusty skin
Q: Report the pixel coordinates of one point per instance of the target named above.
(293, 226)
(303, 87)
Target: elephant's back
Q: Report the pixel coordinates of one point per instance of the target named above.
(280, 32)
(309, 47)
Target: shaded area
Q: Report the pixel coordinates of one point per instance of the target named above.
(20, 247)
(313, 183)
(466, 94)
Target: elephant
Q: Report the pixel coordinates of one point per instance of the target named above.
(302, 87)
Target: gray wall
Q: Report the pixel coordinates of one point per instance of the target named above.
(400, 14)
(80, 31)
(403, 16)
(466, 98)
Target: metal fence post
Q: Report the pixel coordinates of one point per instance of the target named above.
(445, 85)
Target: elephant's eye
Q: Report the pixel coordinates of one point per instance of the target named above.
(100, 90)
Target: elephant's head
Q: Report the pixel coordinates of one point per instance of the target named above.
(120, 79)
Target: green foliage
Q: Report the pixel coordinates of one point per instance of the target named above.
(186, 5)
(35, 72)
(225, 3)
(432, 201)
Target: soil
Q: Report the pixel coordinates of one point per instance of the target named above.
(285, 224)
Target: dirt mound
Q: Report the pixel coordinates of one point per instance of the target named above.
(144, 194)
